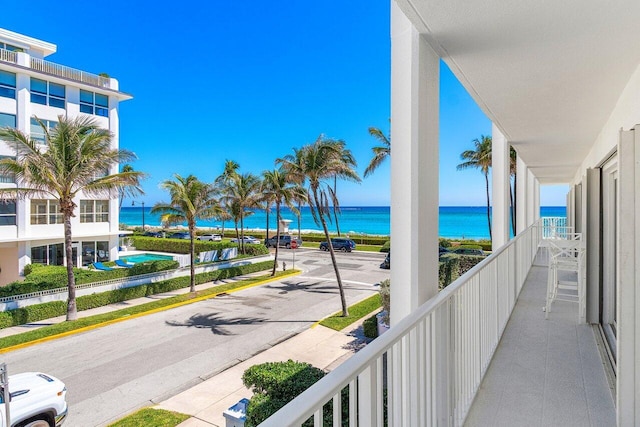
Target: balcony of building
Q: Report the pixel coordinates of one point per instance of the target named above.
(479, 353)
(49, 68)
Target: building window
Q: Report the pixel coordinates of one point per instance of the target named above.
(45, 212)
(48, 255)
(37, 133)
(12, 48)
(47, 93)
(94, 103)
(7, 177)
(94, 210)
(7, 120)
(8, 212)
(7, 84)
(94, 252)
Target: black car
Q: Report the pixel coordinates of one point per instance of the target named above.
(386, 264)
(179, 235)
(468, 251)
(339, 244)
(153, 234)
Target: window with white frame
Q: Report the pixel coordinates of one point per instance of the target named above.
(47, 93)
(7, 84)
(12, 48)
(37, 132)
(94, 103)
(7, 177)
(45, 212)
(8, 212)
(94, 210)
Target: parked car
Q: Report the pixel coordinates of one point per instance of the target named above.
(179, 235)
(153, 234)
(247, 239)
(285, 241)
(210, 237)
(386, 264)
(468, 251)
(36, 399)
(339, 244)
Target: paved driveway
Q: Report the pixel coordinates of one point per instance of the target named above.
(113, 370)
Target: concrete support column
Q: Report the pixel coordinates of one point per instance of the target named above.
(501, 178)
(415, 74)
(536, 200)
(531, 188)
(522, 173)
(23, 123)
(114, 127)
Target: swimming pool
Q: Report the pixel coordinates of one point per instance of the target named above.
(146, 257)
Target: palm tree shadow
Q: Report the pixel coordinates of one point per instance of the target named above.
(214, 321)
(319, 287)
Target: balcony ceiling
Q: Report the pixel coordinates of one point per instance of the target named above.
(547, 73)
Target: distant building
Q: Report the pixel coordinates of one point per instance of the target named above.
(31, 230)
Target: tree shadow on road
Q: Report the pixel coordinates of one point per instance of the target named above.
(214, 321)
(319, 287)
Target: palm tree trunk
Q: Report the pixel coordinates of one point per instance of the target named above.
(266, 235)
(343, 301)
(242, 233)
(514, 201)
(335, 213)
(275, 259)
(299, 217)
(237, 234)
(192, 251)
(223, 228)
(486, 178)
(72, 311)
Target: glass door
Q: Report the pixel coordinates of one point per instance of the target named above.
(609, 291)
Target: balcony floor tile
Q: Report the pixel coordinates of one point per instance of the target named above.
(544, 372)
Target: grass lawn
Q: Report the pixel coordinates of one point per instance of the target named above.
(356, 312)
(84, 322)
(151, 417)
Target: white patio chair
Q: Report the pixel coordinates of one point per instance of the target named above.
(566, 258)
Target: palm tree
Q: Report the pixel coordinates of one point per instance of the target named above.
(127, 192)
(191, 199)
(241, 193)
(276, 186)
(230, 169)
(480, 158)
(317, 163)
(350, 161)
(513, 161)
(76, 162)
(380, 153)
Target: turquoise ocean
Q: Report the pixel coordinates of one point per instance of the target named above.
(468, 222)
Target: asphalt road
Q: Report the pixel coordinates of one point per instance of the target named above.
(114, 370)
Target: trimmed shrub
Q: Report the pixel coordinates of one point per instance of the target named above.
(34, 313)
(467, 262)
(153, 267)
(468, 246)
(445, 243)
(385, 298)
(386, 247)
(370, 327)
(448, 269)
(275, 384)
(485, 245)
(182, 246)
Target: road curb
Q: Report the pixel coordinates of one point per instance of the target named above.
(145, 313)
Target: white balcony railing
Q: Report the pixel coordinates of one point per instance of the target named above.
(426, 370)
(69, 73)
(8, 56)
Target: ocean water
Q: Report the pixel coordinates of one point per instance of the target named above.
(468, 222)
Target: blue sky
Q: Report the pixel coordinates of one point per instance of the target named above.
(249, 81)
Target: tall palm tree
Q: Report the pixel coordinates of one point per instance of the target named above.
(350, 161)
(380, 153)
(129, 191)
(317, 164)
(513, 161)
(276, 186)
(75, 163)
(230, 169)
(191, 199)
(480, 158)
(241, 193)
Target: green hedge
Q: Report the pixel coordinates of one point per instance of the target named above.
(34, 313)
(275, 384)
(453, 266)
(182, 246)
(370, 327)
(42, 277)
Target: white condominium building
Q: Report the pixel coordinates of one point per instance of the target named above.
(31, 230)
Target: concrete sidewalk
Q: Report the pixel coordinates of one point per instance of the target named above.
(322, 347)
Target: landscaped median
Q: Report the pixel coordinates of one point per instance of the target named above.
(151, 417)
(67, 328)
(337, 322)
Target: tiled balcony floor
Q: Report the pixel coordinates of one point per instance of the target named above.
(544, 372)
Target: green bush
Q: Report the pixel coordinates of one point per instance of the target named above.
(182, 246)
(445, 243)
(449, 269)
(468, 246)
(385, 298)
(275, 384)
(386, 247)
(43, 277)
(34, 313)
(370, 327)
(485, 245)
